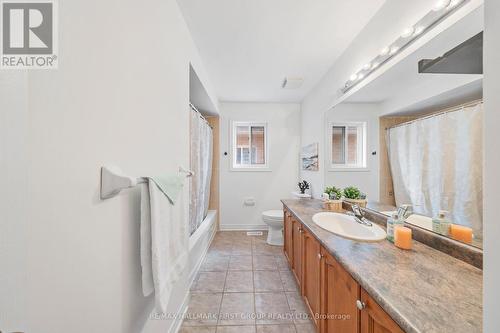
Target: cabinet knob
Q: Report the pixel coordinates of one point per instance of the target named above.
(301, 230)
(360, 305)
(320, 256)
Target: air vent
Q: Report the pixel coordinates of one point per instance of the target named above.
(292, 82)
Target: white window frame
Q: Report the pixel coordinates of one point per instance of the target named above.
(361, 149)
(249, 167)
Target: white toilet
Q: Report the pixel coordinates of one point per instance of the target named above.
(274, 219)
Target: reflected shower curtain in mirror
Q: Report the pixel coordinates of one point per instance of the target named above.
(436, 163)
(201, 165)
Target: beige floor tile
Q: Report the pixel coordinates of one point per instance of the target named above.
(201, 329)
(282, 263)
(203, 310)
(236, 329)
(276, 329)
(209, 282)
(264, 263)
(266, 249)
(298, 307)
(267, 281)
(237, 309)
(240, 263)
(272, 308)
(240, 249)
(288, 281)
(214, 262)
(239, 281)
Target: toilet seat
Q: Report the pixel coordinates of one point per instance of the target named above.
(274, 219)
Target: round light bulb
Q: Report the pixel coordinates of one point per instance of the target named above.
(440, 5)
(384, 51)
(375, 65)
(361, 76)
(408, 32)
(394, 49)
(367, 66)
(418, 30)
(454, 3)
(353, 77)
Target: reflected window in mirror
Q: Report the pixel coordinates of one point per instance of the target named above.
(347, 145)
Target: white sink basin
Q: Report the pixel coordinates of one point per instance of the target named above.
(347, 227)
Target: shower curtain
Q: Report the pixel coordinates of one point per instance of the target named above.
(436, 163)
(201, 165)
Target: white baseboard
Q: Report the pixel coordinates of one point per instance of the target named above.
(243, 227)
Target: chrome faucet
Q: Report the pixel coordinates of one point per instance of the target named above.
(359, 216)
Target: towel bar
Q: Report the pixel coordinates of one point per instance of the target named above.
(113, 180)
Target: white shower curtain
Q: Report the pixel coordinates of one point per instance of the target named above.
(201, 165)
(437, 163)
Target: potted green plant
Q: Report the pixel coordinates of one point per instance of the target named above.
(353, 195)
(333, 198)
(334, 193)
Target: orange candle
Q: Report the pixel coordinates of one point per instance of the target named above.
(461, 233)
(402, 237)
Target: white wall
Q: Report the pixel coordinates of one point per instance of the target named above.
(491, 227)
(267, 187)
(366, 180)
(120, 97)
(13, 199)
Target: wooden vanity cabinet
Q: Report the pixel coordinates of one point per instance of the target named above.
(311, 269)
(339, 293)
(374, 319)
(328, 289)
(287, 232)
(297, 231)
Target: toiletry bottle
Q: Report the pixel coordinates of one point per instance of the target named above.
(441, 224)
(391, 223)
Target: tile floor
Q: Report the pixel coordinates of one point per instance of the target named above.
(245, 286)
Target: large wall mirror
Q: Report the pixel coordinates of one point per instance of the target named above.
(428, 160)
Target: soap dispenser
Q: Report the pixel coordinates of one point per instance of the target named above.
(441, 224)
(393, 222)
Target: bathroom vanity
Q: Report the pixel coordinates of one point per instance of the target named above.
(351, 286)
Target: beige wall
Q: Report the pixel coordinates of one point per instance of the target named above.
(214, 184)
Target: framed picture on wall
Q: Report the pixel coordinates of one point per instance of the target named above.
(309, 157)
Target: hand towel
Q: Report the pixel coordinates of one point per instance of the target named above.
(164, 240)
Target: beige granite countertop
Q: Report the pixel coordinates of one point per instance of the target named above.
(423, 290)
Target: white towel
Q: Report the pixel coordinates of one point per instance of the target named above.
(164, 243)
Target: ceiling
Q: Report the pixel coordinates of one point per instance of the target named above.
(249, 47)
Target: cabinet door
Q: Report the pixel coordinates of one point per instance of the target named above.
(311, 259)
(339, 293)
(297, 250)
(374, 319)
(287, 231)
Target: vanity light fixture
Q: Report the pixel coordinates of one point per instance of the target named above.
(408, 32)
(394, 50)
(438, 12)
(440, 5)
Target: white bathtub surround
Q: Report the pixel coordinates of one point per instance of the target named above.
(164, 243)
(201, 143)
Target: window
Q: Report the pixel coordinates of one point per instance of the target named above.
(249, 145)
(347, 145)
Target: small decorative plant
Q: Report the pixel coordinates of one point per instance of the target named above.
(303, 186)
(334, 193)
(353, 193)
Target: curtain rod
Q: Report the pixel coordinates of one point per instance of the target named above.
(199, 113)
(439, 113)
